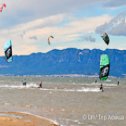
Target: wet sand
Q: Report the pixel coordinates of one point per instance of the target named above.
(24, 119)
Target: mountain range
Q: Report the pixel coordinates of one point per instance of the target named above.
(66, 61)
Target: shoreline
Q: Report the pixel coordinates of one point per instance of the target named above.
(24, 119)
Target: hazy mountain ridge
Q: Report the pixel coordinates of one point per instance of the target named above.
(67, 61)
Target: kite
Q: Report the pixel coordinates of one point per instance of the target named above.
(104, 67)
(2, 6)
(105, 37)
(8, 51)
(50, 37)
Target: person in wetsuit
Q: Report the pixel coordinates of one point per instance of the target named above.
(40, 85)
(101, 88)
(118, 83)
(24, 82)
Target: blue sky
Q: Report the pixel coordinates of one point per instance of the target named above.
(76, 24)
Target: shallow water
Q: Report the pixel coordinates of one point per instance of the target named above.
(71, 101)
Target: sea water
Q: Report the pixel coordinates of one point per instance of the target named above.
(69, 100)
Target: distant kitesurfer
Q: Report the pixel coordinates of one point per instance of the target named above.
(118, 83)
(24, 82)
(40, 85)
(95, 81)
(101, 87)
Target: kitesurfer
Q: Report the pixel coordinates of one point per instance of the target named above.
(95, 81)
(101, 87)
(24, 83)
(118, 83)
(40, 85)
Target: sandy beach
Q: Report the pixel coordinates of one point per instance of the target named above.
(24, 119)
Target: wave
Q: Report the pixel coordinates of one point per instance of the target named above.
(19, 86)
(74, 90)
(34, 86)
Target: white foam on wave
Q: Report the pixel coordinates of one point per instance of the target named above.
(19, 86)
(34, 86)
(110, 85)
(74, 90)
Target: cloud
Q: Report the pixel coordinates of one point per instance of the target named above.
(89, 38)
(19, 11)
(33, 37)
(39, 31)
(30, 23)
(116, 26)
(114, 3)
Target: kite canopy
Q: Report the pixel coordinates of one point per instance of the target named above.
(8, 51)
(50, 37)
(2, 6)
(104, 67)
(105, 37)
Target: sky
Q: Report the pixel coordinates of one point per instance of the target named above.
(72, 23)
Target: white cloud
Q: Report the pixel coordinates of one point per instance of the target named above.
(24, 11)
(114, 3)
(116, 26)
(29, 23)
(52, 25)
